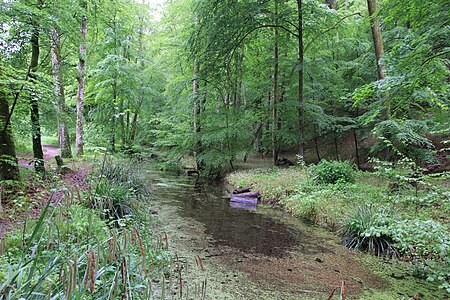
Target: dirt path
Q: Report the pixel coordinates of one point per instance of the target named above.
(50, 152)
(72, 179)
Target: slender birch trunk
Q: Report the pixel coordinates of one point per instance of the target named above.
(63, 132)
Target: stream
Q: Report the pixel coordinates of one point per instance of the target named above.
(262, 253)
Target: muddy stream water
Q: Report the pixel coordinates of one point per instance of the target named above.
(249, 254)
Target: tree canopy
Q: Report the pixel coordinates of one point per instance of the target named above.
(221, 80)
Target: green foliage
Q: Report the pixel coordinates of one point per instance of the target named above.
(332, 172)
(309, 203)
(439, 272)
(421, 238)
(404, 174)
(404, 139)
(80, 263)
(117, 189)
(70, 252)
(367, 229)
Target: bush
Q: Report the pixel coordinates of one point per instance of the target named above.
(368, 229)
(332, 172)
(421, 238)
(427, 243)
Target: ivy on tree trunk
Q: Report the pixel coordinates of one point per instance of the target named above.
(9, 169)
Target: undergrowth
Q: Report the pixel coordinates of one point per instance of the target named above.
(87, 246)
(395, 212)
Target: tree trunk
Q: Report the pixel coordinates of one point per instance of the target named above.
(112, 141)
(377, 39)
(196, 111)
(34, 111)
(358, 162)
(301, 147)
(63, 132)
(239, 74)
(317, 148)
(133, 126)
(141, 87)
(275, 89)
(121, 121)
(9, 169)
(336, 150)
(257, 142)
(379, 50)
(332, 4)
(81, 78)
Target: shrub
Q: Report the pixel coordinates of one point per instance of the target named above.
(421, 238)
(439, 272)
(368, 229)
(332, 172)
(306, 206)
(427, 243)
(404, 138)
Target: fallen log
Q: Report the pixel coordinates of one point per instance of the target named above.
(242, 190)
(246, 195)
(238, 205)
(252, 201)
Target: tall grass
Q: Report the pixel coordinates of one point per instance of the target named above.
(73, 252)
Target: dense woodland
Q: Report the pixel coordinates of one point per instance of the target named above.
(206, 85)
(220, 80)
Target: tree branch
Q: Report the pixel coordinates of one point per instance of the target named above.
(329, 29)
(433, 57)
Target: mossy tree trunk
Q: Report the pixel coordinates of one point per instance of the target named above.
(9, 169)
(38, 153)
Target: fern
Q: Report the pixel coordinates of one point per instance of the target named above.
(403, 139)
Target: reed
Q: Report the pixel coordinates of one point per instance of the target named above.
(86, 246)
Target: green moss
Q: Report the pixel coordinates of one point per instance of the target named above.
(399, 283)
(329, 204)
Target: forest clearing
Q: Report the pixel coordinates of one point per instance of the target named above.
(238, 149)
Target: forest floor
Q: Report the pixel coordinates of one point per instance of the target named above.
(36, 192)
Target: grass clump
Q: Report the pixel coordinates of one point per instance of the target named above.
(368, 229)
(118, 190)
(74, 252)
(394, 212)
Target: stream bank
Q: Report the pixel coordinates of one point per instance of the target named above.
(252, 254)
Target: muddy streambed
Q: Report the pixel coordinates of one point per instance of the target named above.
(249, 254)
